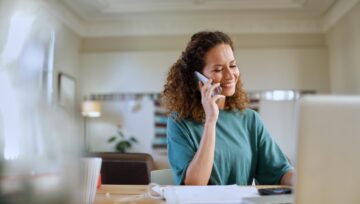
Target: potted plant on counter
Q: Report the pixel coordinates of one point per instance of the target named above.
(121, 140)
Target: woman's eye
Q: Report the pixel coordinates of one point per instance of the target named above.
(218, 70)
(233, 66)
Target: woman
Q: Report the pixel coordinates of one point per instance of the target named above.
(215, 139)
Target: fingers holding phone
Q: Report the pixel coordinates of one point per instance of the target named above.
(206, 88)
(212, 90)
(209, 97)
(209, 90)
(205, 80)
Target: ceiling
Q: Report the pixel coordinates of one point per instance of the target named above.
(111, 18)
(116, 10)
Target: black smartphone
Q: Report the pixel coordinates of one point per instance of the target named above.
(275, 191)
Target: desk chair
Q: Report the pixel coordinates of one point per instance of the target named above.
(162, 177)
(125, 168)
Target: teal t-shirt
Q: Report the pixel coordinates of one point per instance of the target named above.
(244, 149)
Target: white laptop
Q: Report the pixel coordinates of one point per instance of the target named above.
(328, 160)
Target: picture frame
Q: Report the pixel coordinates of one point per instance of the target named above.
(67, 92)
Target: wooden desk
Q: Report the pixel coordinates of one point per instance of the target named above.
(130, 191)
(123, 191)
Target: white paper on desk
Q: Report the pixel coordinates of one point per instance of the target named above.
(208, 194)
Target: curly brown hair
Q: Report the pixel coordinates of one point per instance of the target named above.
(181, 92)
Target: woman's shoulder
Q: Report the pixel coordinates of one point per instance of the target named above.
(252, 115)
(247, 113)
(175, 118)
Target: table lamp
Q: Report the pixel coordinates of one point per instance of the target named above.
(90, 109)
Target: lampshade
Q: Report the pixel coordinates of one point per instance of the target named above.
(91, 109)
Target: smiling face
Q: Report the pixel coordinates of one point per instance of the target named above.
(220, 65)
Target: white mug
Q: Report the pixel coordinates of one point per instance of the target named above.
(90, 171)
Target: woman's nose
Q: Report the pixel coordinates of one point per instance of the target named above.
(228, 74)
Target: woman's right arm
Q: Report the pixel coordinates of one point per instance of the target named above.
(200, 167)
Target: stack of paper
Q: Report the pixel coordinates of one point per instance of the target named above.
(208, 194)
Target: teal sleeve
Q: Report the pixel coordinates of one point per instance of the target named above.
(272, 164)
(180, 150)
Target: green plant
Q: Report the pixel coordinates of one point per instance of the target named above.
(122, 141)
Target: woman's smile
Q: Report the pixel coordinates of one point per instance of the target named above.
(227, 85)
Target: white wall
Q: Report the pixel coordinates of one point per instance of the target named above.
(344, 51)
(129, 72)
(67, 48)
(261, 68)
(66, 60)
(279, 118)
(284, 68)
